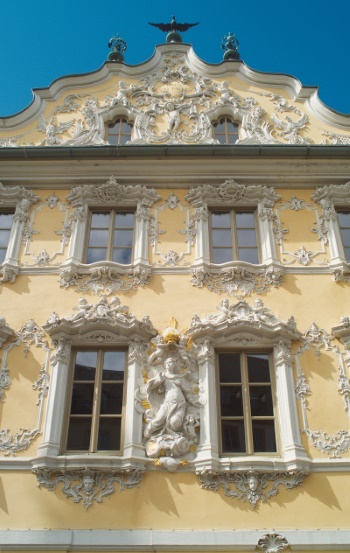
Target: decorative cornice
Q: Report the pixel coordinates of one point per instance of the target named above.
(230, 192)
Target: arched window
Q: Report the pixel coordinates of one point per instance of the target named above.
(226, 131)
(119, 132)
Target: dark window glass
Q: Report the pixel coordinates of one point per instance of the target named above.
(111, 237)
(344, 224)
(246, 403)
(6, 220)
(119, 132)
(97, 401)
(233, 237)
(226, 131)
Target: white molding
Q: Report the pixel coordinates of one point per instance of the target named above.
(168, 540)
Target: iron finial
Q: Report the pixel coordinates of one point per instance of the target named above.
(230, 44)
(118, 46)
(173, 29)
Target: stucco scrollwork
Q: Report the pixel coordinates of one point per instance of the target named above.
(104, 281)
(238, 281)
(29, 335)
(230, 192)
(88, 486)
(252, 486)
(169, 400)
(22, 200)
(273, 543)
(317, 339)
(43, 258)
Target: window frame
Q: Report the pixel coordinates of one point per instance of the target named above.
(233, 196)
(247, 416)
(344, 247)
(19, 200)
(120, 118)
(226, 118)
(107, 331)
(95, 416)
(333, 198)
(110, 242)
(233, 227)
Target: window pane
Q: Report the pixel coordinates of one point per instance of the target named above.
(113, 365)
(245, 219)
(4, 238)
(220, 126)
(232, 138)
(231, 401)
(232, 436)
(113, 139)
(100, 219)
(79, 434)
(122, 256)
(124, 138)
(123, 238)
(222, 237)
(230, 367)
(82, 399)
(258, 368)
(264, 436)
(347, 254)
(222, 255)
(96, 254)
(98, 238)
(85, 365)
(250, 255)
(345, 233)
(2, 255)
(109, 434)
(124, 220)
(220, 220)
(126, 127)
(344, 218)
(261, 401)
(246, 238)
(111, 399)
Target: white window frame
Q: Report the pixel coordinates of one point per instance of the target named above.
(331, 198)
(232, 195)
(248, 328)
(20, 199)
(101, 328)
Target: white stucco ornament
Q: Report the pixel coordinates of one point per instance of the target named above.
(169, 399)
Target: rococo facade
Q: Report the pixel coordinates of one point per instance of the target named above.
(175, 319)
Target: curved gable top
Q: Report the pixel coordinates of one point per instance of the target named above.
(174, 98)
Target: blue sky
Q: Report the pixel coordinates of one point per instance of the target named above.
(41, 41)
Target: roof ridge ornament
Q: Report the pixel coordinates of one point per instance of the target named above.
(118, 46)
(230, 44)
(173, 29)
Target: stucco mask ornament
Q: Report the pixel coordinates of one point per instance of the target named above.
(169, 400)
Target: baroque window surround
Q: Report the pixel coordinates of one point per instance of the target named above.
(240, 278)
(239, 327)
(329, 198)
(103, 324)
(106, 277)
(21, 199)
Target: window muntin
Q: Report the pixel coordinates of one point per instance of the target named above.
(97, 400)
(119, 132)
(234, 236)
(111, 236)
(247, 420)
(344, 226)
(226, 131)
(6, 219)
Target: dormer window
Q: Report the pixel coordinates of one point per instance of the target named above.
(119, 132)
(226, 131)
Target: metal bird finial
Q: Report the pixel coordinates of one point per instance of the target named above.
(173, 28)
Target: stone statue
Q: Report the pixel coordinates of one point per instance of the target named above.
(171, 396)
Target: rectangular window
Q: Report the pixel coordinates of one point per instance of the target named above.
(95, 416)
(111, 236)
(247, 418)
(234, 236)
(6, 219)
(344, 225)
